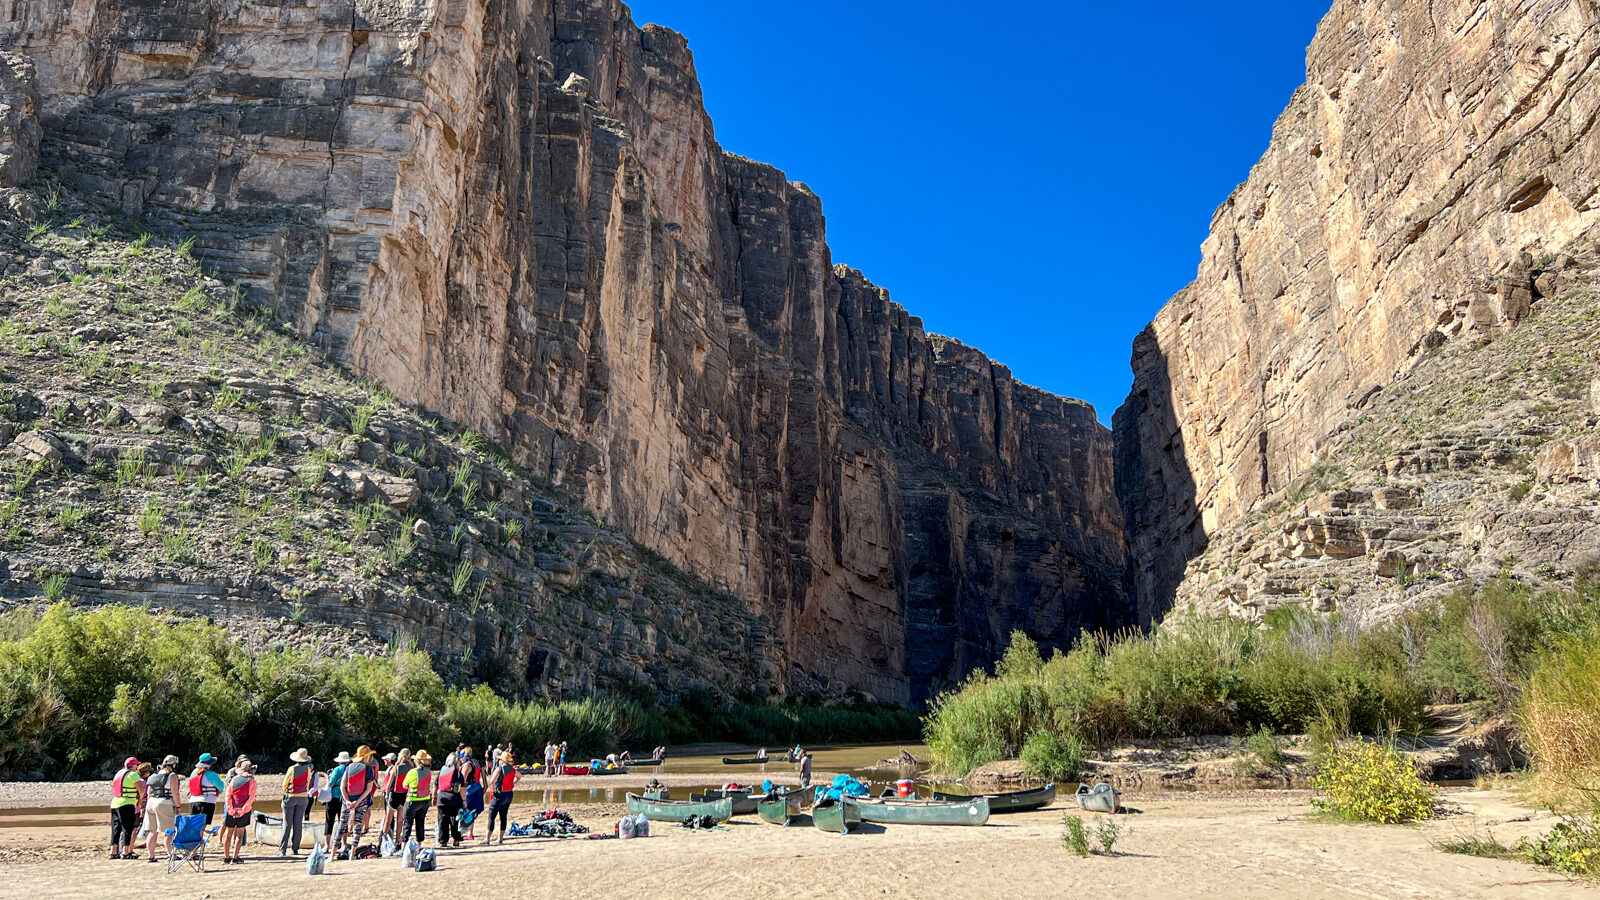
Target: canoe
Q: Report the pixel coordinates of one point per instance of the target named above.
(269, 828)
(926, 812)
(836, 814)
(778, 809)
(754, 760)
(1100, 798)
(587, 770)
(646, 760)
(678, 810)
(743, 803)
(1014, 801)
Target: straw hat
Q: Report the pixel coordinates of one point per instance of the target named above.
(365, 753)
(423, 758)
(507, 759)
(301, 756)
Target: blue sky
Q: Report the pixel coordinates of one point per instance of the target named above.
(1031, 178)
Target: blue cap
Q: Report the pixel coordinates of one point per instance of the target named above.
(206, 759)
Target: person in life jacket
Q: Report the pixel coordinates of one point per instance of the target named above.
(502, 782)
(161, 805)
(394, 790)
(473, 785)
(448, 794)
(297, 784)
(127, 793)
(358, 785)
(239, 797)
(419, 797)
(204, 787)
(335, 800)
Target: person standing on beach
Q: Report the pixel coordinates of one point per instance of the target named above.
(550, 759)
(394, 788)
(296, 799)
(359, 783)
(561, 756)
(419, 796)
(330, 819)
(239, 799)
(502, 782)
(161, 810)
(473, 785)
(204, 787)
(127, 791)
(805, 768)
(449, 794)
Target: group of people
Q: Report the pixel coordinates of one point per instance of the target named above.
(404, 786)
(145, 799)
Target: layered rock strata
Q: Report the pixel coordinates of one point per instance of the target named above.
(1438, 156)
(516, 213)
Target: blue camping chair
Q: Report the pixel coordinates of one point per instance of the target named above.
(189, 834)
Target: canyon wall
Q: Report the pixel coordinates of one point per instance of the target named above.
(516, 213)
(1440, 155)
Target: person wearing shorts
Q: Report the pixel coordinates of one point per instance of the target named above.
(239, 803)
(161, 806)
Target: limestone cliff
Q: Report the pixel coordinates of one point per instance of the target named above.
(516, 213)
(1416, 193)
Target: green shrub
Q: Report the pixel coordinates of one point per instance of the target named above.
(1372, 782)
(1572, 846)
(1049, 755)
(1264, 746)
(1074, 836)
(1559, 717)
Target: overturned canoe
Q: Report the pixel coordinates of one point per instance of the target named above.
(836, 814)
(1100, 798)
(779, 809)
(678, 810)
(1013, 801)
(743, 803)
(926, 812)
(754, 760)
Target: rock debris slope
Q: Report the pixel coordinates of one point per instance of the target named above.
(516, 213)
(1417, 192)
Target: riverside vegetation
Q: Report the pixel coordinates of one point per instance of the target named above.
(78, 687)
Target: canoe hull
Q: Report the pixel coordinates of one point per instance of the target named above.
(836, 815)
(743, 803)
(1014, 801)
(678, 810)
(661, 794)
(778, 810)
(1100, 798)
(924, 812)
(754, 760)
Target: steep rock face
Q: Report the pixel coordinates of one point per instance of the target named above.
(517, 213)
(1436, 154)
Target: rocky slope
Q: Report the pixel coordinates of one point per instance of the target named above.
(1416, 195)
(517, 214)
(162, 442)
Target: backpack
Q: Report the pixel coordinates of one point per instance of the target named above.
(324, 787)
(365, 851)
(427, 861)
(317, 862)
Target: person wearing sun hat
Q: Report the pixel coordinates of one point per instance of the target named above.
(296, 799)
(502, 782)
(127, 793)
(419, 786)
(204, 787)
(330, 816)
(160, 810)
(357, 786)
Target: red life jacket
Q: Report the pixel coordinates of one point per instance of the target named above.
(508, 779)
(196, 786)
(424, 780)
(239, 793)
(300, 778)
(446, 779)
(121, 789)
(355, 780)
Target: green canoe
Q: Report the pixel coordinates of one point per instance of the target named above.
(659, 794)
(926, 812)
(678, 810)
(836, 814)
(778, 808)
(1015, 801)
(743, 803)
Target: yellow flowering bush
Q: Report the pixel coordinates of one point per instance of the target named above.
(1372, 782)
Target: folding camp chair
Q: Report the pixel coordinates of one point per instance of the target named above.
(189, 835)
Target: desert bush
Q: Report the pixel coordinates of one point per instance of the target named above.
(1572, 846)
(1560, 719)
(1372, 781)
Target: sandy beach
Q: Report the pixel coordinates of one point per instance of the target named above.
(1248, 844)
